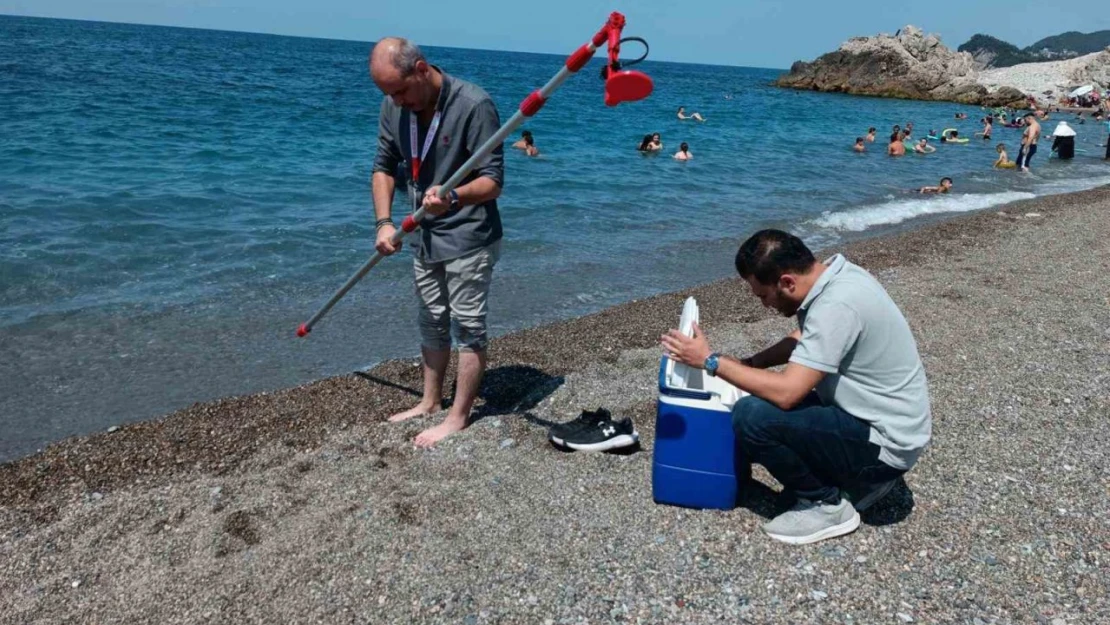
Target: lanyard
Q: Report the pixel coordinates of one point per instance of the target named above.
(417, 158)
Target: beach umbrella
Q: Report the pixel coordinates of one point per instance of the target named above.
(621, 85)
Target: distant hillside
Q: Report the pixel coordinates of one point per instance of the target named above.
(990, 52)
(1072, 43)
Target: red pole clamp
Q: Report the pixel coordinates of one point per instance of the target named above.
(615, 26)
(409, 224)
(533, 103)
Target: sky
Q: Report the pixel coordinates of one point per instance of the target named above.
(756, 33)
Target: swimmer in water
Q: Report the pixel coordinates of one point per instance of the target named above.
(858, 147)
(522, 144)
(923, 147)
(683, 153)
(682, 115)
(896, 147)
(944, 187)
(987, 127)
(530, 146)
(1003, 158)
(871, 135)
(645, 144)
(656, 142)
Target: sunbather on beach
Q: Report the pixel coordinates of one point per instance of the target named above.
(944, 187)
(850, 412)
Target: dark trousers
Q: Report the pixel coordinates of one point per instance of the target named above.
(1025, 155)
(813, 450)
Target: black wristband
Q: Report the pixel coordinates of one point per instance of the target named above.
(383, 222)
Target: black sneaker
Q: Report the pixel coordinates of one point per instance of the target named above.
(588, 419)
(603, 436)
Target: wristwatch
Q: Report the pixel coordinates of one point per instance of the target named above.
(711, 363)
(454, 198)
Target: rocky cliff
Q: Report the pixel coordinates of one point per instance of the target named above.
(908, 64)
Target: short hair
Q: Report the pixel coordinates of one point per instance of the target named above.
(946, 178)
(1028, 115)
(526, 133)
(859, 139)
(871, 129)
(405, 57)
(768, 254)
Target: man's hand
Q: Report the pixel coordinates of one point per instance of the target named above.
(433, 204)
(384, 243)
(688, 350)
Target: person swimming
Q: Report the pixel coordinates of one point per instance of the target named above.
(896, 147)
(682, 115)
(987, 128)
(944, 187)
(1003, 161)
(645, 144)
(683, 153)
(530, 146)
(522, 144)
(923, 147)
(858, 147)
(871, 135)
(656, 142)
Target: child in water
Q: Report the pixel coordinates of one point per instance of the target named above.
(944, 187)
(1003, 161)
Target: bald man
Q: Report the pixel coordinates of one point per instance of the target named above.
(439, 121)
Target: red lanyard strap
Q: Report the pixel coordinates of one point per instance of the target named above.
(418, 157)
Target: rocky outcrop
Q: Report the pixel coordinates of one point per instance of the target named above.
(908, 64)
(1050, 82)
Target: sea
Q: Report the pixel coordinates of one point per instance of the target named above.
(175, 202)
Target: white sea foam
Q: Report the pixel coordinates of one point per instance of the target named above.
(897, 211)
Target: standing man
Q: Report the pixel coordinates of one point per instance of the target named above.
(1028, 141)
(433, 122)
(869, 419)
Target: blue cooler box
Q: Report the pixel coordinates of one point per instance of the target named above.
(696, 461)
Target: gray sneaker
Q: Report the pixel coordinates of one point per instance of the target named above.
(867, 495)
(811, 521)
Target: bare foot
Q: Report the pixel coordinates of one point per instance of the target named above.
(433, 435)
(419, 410)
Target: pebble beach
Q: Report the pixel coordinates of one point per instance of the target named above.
(305, 505)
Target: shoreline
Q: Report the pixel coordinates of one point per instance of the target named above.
(304, 504)
(142, 444)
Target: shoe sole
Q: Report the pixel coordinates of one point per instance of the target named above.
(874, 498)
(624, 440)
(846, 527)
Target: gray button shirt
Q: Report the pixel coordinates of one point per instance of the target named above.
(854, 332)
(469, 118)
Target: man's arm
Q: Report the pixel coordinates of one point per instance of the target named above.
(383, 186)
(386, 161)
(775, 355)
(785, 389)
(484, 123)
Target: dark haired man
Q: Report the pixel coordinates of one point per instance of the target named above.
(1029, 140)
(869, 419)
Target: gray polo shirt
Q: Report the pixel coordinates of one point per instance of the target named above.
(854, 332)
(468, 119)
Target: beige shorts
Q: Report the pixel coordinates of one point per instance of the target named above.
(454, 299)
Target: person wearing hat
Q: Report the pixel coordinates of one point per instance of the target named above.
(1063, 141)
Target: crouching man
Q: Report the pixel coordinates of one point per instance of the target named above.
(849, 414)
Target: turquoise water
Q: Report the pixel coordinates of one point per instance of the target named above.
(173, 203)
